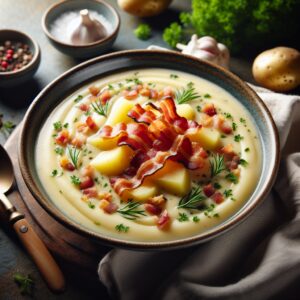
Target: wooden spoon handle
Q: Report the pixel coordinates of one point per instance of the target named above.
(40, 255)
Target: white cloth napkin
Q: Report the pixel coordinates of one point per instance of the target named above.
(259, 259)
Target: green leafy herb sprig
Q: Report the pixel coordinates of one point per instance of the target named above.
(25, 283)
(216, 165)
(192, 200)
(122, 228)
(6, 127)
(143, 31)
(74, 155)
(100, 109)
(131, 211)
(185, 95)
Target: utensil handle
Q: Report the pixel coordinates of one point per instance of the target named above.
(40, 255)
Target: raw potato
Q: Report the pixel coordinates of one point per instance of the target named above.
(113, 162)
(144, 8)
(186, 110)
(278, 69)
(209, 138)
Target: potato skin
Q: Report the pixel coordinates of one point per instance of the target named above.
(145, 8)
(278, 69)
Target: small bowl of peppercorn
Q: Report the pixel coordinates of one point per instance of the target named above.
(19, 57)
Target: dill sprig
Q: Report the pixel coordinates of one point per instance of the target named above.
(100, 109)
(130, 211)
(186, 95)
(74, 155)
(192, 200)
(216, 165)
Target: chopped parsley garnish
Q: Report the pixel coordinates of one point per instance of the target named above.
(247, 149)
(192, 200)
(198, 107)
(54, 173)
(234, 126)
(59, 150)
(190, 84)
(196, 219)
(66, 125)
(143, 31)
(242, 120)
(228, 193)
(110, 87)
(78, 98)
(231, 177)
(57, 126)
(75, 120)
(105, 184)
(183, 217)
(209, 210)
(91, 205)
(122, 228)
(216, 165)
(75, 180)
(173, 76)
(243, 162)
(217, 185)
(238, 138)
(207, 96)
(228, 115)
(25, 283)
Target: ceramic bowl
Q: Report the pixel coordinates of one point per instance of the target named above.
(87, 50)
(106, 65)
(13, 78)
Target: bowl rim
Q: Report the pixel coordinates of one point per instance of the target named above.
(89, 45)
(136, 245)
(35, 57)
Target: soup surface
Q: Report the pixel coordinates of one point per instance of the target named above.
(152, 155)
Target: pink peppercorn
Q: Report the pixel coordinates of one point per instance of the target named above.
(4, 64)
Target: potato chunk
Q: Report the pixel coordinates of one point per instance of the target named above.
(174, 178)
(141, 193)
(103, 143)
(209, 138)
(119, 111)
(186, 110)
(113, 162)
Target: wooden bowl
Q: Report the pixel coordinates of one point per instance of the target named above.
(106, 65)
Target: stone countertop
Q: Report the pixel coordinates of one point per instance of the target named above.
(26, 16)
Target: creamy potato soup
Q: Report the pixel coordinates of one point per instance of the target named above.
(152, 155)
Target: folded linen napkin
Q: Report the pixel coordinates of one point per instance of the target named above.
(259, 259)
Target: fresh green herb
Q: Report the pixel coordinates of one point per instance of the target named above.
(91, 205)
(216, 165)
(207, 96)
(66, 125)
(228, 193)
(192, 200)
(122, 228)
(198, 107)
(6, 127)
(186, 95)
(54, 173)
(238, 138)
(228, 115)
(231, 177)
(232, 199)
(173, 76)
(96, 179)
(209, 210)
(105, 184)
(59, 150)
(196, 219)
(247, 149)
(78, 98)
(75, 120)
(131, 211)
(223, 136)
(100, 109)
(243, 162)
(183, 217)
(137, 81)
(110, 87)
(143, 32)
(190, 84)
(217, 185)
(97, 223)
(173, 34)
(74, 155)
(25, 283)
(234, 126)
(57, 126)
(75, 180)
(242, 120)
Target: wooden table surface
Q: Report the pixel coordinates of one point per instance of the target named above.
(26, 16)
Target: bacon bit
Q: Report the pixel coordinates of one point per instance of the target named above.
(105, 96)
(103, 203)
(91, 123)
(234, 163)
(94, 90)
(218, 197)
(145, 92)
(152, 209)
(168, 91)
(105, 196)
(82, 127)
(66, 164)
(160, 94)
(90, 192)
(228, 149)
(110, 208)
(86, 183)
(63, 137)
(83, 107)
(85, 198)
(208, 190)
(157, 200)
(78, 141)
(209, 109)
(153, 94)
(130, 95)
(226, 128)
(138, 87)
(236, 172)
(207, 121)
(164, 220)
(88, 171)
